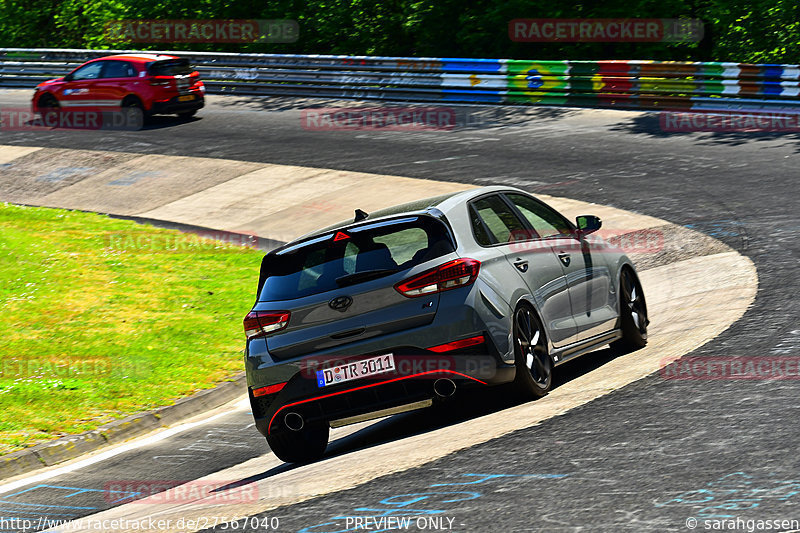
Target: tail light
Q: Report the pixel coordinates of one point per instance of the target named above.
(260, 323)
(451, 275)
(159, 81)
(271, 389)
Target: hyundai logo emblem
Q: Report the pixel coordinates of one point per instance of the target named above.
(340, 303)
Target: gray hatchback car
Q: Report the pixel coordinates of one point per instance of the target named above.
(398, 309)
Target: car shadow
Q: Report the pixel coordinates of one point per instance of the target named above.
(464, 116)
(158, 122)
(659, 125)
(69, 123)
(459, 408)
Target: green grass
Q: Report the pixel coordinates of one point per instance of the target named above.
(101, 318)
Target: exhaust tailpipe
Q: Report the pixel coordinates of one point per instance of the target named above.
(294, 421)
(444, 388)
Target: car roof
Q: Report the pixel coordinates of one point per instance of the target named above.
(140, 58)
(442, 203)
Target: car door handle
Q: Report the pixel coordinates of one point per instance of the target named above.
(565, 258)
(521, 264)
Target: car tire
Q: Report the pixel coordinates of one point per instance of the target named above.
(134, 114)
(302, 446)
(633, 319)
(534, 376)
(49, 108)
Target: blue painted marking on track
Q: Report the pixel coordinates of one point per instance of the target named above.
(399, 508)
(71, 491)
(46, 505)
(488, 477)
(134, 177)
(717, 228)
(60, 174)
(10, 511)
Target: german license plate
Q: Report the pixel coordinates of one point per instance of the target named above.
(186, 98)
(355, 370)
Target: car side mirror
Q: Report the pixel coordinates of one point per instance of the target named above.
(68, 77)
(588, 224)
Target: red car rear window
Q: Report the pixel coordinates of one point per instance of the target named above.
(170, 67)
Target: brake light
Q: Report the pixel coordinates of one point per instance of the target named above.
(260, 323)
(159, 81)
(450, 275)
(270, 389)
(455, 345)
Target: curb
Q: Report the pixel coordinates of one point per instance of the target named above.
(66, 448)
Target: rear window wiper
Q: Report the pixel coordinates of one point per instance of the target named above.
(364, 275)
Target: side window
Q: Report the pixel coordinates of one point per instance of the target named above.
(88, 72)
(498, 217)
(545, 221)
(478, 229)
(118, 69)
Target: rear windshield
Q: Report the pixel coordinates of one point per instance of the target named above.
(329, 262)
(170, 67)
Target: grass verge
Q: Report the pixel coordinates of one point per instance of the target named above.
(102, 318)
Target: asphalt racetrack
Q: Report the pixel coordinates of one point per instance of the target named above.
(656, 455)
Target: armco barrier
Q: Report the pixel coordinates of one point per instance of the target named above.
(623, 84)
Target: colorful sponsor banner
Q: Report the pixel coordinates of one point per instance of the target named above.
(637, 84)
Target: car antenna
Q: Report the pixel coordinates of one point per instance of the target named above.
(361, 215)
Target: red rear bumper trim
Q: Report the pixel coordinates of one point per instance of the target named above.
(269, 427)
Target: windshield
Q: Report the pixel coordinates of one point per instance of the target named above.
(353, 256)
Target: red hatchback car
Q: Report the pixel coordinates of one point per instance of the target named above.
(153, 83)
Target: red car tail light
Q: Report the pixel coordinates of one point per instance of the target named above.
(455, 345)
(159, 81)
(450, 275)
(270, 389)
(260, 323)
